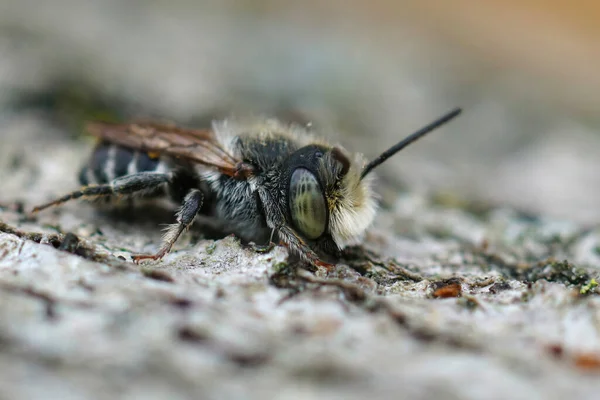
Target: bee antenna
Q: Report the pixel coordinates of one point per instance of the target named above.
(410, 139)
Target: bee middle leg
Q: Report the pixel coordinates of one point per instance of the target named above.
(192, 203)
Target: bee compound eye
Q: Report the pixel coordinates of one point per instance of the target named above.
(307, 204)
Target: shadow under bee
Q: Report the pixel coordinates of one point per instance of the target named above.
(150, 214)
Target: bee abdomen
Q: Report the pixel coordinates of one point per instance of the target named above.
(109, 161)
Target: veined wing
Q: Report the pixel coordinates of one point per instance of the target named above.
(196, 145)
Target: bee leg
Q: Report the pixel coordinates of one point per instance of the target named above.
(185, 217)
(276, 220)
(123, 186)
(296, 243)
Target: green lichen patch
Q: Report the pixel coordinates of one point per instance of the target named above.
(589, 287)
(557, 271)
(210, 249)
(548, 269)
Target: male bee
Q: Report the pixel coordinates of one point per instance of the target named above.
(261, 180)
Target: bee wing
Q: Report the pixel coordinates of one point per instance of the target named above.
(196, 145)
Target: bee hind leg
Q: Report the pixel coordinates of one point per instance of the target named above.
(192, 203)
(123, 186)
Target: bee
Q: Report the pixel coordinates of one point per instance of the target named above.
(262, 180)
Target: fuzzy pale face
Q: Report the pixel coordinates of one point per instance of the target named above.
(352, 202)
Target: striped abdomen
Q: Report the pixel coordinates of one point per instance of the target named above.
(109, 161)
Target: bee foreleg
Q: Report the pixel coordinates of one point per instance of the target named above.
(276, 221)
(185, 217)
(298, 245)
(123, 186)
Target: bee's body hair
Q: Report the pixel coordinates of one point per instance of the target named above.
(238, 206)
(260, 179)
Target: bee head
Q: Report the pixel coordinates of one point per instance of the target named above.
(330, 191)
(326, 195)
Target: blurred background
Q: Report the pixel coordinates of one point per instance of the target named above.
(367, 73)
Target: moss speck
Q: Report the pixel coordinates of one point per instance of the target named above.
(210, 249)
(589, 287)
(468, 302)
(558, 271)
(280, 267)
